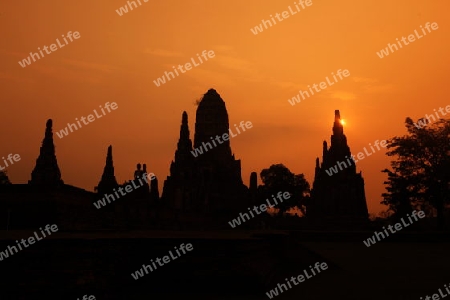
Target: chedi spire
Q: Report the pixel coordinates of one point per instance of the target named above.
(108, 181)
(337, 194)
(184, 146)
(46, 172)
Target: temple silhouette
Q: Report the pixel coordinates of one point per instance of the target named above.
(210, 184)
(341, 196)
(202, 191)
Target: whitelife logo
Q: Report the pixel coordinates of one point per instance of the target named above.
(323, 85)
(27, 61)
(285, 14)
(128, 189)
(85, 297)
(300, 278)
(360, 156)
(10, 158)
(124, 9)
(161, 80)
(166, 259)
(31, 240)
(398, 227)
(281, 196)
(411, 38)
(438, 296)
(199, 150)
(427, 119)
(64, 132)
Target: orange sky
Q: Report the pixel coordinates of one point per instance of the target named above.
(118, 57)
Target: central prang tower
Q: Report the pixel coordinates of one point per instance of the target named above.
(212, 121)
(208, 182)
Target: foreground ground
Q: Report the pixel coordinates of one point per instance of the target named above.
(225, 265)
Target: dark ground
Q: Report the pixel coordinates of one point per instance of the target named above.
(225, 265)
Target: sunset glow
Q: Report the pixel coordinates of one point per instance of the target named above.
(117, 58)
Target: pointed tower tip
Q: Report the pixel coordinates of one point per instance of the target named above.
(109, 153)
(211, 97)
(49, 131)
(338, 128)
(211, 94)
(337, 114)
(184, 118)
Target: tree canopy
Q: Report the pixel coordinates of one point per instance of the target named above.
(278, 178)
(4, 178)
(420, 174)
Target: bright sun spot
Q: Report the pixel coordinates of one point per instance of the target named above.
(342, 122)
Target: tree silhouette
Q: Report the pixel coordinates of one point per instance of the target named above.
(4, 180)
(420, 176)
(278, 178)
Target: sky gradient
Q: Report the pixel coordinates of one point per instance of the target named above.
(117, 58)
